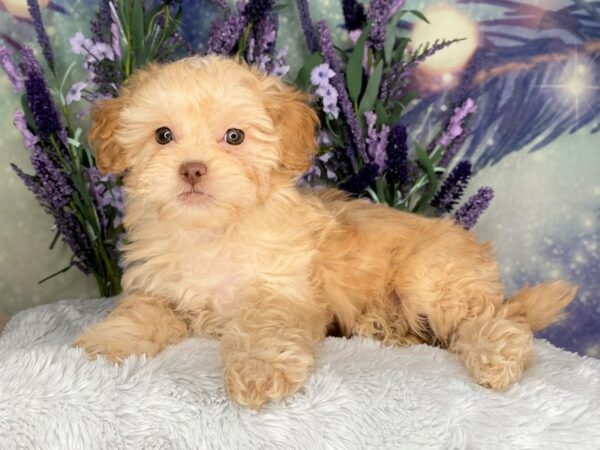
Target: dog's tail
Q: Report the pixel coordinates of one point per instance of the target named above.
(539, 306)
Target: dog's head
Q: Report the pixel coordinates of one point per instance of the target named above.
(204, 139)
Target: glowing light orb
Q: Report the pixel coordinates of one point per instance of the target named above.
(575, 84)
(446, 23)
(18, 8)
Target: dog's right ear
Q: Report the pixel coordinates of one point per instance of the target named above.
(110, 156)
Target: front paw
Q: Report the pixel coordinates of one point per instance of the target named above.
(252, 381)
(95, 343)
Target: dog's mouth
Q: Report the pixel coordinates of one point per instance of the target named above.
(193, 196)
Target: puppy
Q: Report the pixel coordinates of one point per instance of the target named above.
(221, 242)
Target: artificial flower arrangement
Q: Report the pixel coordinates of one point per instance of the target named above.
(359, 90)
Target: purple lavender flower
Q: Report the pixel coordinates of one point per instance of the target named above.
(262, 42)
(73, 234)
(40, 30)
(280, 67)
(331, 108)
(53, 188)
(378, 16)
(316, 171)
(102, 22)
(42, 107)
(107, 195)
(28, 180)
(307, 26)
(468, 214)
(328, 94)
(224, 34)
(11, 71)
(74, 94)
(338, 83)
(255, 10)
(80, 45)
(116, 39)
(401, 73)
(455, 125)
(101, 51)
(355, 35)
(324, 138)
(321, 75)
(397, 155)
(358, 182)
(354, 15)
(20, 123)
(453, 188)
(452, 150)
(47, 190)
(466, 81)
(377, 141)
(266, 33)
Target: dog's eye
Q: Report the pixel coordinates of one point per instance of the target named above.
(234, 136)
(163, 135)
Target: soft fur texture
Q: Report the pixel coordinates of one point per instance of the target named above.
(247, 257)
(361, 396)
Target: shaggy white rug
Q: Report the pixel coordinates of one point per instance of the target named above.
(361, 396)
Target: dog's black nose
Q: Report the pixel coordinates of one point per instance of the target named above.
(191, 172)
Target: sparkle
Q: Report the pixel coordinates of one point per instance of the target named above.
(575, 83)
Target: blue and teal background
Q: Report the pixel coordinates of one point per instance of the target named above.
(535, 67)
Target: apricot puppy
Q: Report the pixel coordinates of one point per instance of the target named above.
(222, 243)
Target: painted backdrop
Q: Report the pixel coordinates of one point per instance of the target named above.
(534, 70)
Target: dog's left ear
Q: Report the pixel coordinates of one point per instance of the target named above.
(295, 122)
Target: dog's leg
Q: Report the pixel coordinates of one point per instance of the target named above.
(268, 349)
(460, 311)
(140, 324)
(495, 351)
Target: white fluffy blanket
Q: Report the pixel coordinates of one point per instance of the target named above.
(361, 396)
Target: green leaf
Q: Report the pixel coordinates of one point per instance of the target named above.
(373, 195)
(419, 14)
(354, 71)
(407, 98)
(281, 7)
(27, 112)
(370, 95)
(402, 43)
(397, 110)
(388, 48)
(381, 189)
(303, 77)
(152, 16)
(390, 40)
(137, 30)
(74, 142)
(66, 76)
(427, 165)
(382, 115)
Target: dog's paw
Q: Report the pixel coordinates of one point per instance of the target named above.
(252, 382)
(113, 348)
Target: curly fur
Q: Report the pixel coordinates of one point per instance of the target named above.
(268, 268)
